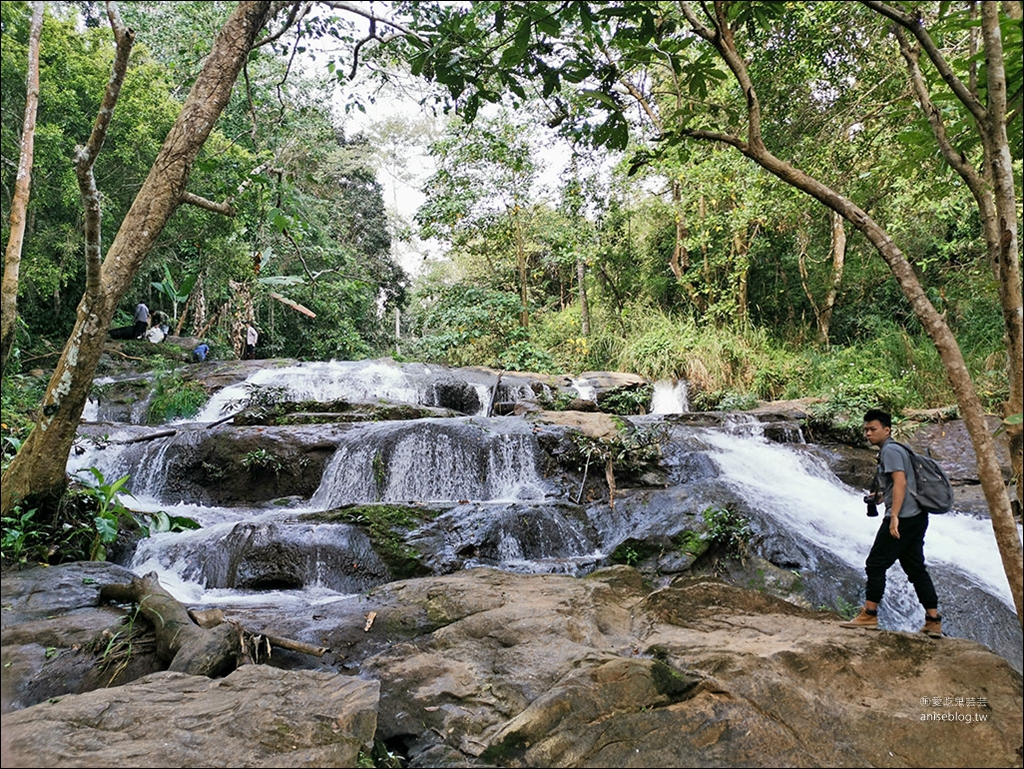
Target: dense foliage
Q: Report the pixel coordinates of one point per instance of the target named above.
(309, 225)
(694, 262)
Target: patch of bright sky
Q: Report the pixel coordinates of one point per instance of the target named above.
(400, 122)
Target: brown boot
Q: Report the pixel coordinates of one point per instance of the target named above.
(863, 620)
(932, 626)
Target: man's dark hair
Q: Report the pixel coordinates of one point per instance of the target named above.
(882, 416)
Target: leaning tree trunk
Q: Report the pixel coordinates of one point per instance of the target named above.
(720, 35)
(38, 470)
(22, 187)
(971, 409)
(993, 188)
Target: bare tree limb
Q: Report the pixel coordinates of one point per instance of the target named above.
(370, 15)
(85, 157)
(200, 202)
(297, 14)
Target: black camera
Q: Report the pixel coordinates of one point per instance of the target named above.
(870, 501)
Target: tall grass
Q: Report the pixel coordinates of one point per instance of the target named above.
(656, 345)
(887, 367)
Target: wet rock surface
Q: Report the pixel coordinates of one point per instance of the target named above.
(491, 668)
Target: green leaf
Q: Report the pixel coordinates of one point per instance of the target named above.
(161, 522)
(514, 54)
(183, 522)
(105, 528)
(600, 96)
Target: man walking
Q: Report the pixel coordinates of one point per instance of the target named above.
(901, 535)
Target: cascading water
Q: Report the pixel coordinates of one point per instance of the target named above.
(802, 494)
(585, 389)
(493, 500)
(432, 461)
(670, 397)
(354, 381)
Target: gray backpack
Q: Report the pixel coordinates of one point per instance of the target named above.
(934, 493)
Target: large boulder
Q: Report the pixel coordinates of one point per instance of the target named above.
(554, 671)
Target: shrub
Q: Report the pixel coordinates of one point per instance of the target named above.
(726, 530)
(175, 397)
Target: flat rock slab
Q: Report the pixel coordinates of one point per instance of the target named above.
(258, 716)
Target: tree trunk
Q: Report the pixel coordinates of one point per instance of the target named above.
(993, 188)
(741, 272)
(22, 187)
(183, 645)
(823, 312)
(201, 643)
(581, 276)
(838, 265)
(678, 262)
(38, 470)
(1004, 247)
(524, 296)
(971, 408)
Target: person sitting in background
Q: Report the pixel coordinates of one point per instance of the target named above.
(200, 352)
(251, 335)
(140, 322)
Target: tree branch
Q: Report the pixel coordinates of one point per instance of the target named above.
(85, 157)
(916, 28)
(952, 155)
(366, 14)
(200, 202)
(721, 38)
(298, 12)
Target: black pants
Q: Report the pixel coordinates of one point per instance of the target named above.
(909, 551)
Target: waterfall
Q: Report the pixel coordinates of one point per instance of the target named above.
(497, 492)
(585, 389)
(433, 460)
(147, 462)
(318, 381)
(355, 382)
(670, 397)
(799, 491)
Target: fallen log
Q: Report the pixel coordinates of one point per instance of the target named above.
(208, 618)
(222, 420)
(198, 643)
(295, 646)
(150, 436)
(183, 645)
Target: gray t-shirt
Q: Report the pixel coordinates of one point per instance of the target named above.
(892, 457)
